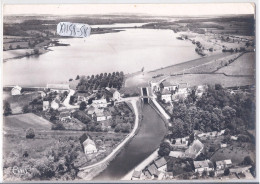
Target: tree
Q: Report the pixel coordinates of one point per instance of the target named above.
(247, 161)
(7, 109)
(161, 85)
(164, 149)
(77, 78)
(191, 138)
(26, 109)
(226, 172)
(10, 47)
(36, 51)
(211, 173)
(72, 98)
(30, 133)
(18, 46)
(82, 106)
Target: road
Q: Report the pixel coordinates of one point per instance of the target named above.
(67, 100)
(133, 101)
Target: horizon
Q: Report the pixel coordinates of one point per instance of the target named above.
(214, 9)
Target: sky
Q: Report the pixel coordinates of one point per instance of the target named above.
(149, 9)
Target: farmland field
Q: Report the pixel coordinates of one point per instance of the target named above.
(244, 65)
(24, 121)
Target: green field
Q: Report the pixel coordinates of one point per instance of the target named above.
(24, 121)
(244, 65)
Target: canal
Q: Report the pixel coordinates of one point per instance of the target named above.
(148, 138)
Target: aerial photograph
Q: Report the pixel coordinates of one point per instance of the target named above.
(123, 92)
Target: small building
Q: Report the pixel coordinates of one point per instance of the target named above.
(65, 116)
(161, 164)
(171, 87)
(177, 154)
(55, 104)
(152, 169)
(194, 149)
(136, 175)
(166, 96)
(88, 144)
(234, 138)
(201, 166)
(223, 145)
(222, 164)
(113, 93)
(91, 111)
(16, 90)
(58, 87)
(100, 103)
(200, 90)
(147, 174)
(100, 116)
(45, 105)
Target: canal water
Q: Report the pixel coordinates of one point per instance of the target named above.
(148, 139)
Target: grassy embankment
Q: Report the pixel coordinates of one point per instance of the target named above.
(206, 70)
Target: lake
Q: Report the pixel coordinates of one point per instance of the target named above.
(127, 51)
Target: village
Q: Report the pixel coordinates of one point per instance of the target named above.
(200, 155)
(102, 110)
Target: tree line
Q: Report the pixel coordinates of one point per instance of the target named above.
(99, 81)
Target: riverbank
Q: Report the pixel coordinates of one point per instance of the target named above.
(89, 172)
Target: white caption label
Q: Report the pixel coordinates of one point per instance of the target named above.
(73, 29)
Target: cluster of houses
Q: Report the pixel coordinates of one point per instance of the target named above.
(158, 168)
(174, 92)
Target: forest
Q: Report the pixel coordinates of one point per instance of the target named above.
(216, 110)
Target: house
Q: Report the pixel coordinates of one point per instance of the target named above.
(223, 145)
(181, 143)
(65, 116)
(222, 164)
(166, 96)
(43, 94)
(177, 154)
(16, 90)
(152, 169)
(171, 87)
(100, 116)
(136, 175)
(113, 93)
(200, 90)
(147, 174)
(91, 111)
(55, 104)
(45, 105)
(234, 138)
(161, 164)
(58, 87)
(201, 166)
(88, 144)
(100, 103)
(182, 92)
(194, 149)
